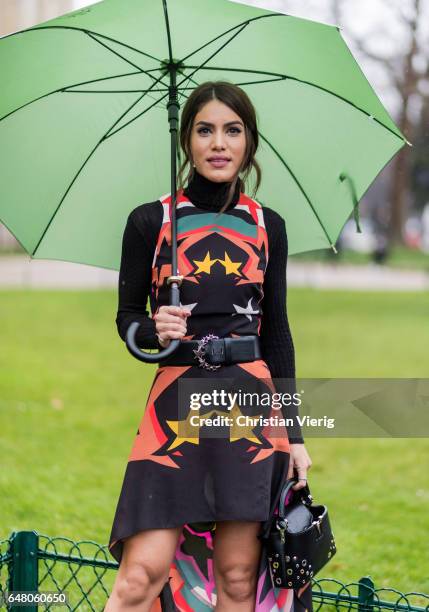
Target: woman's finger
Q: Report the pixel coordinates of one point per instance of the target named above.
(170, 319)
(166, 318)
(290, 470)
(302, 478)
(167, 327)
(171, 335)
(178, 311)
(176, 325)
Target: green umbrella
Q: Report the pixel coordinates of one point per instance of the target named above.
(83, 120)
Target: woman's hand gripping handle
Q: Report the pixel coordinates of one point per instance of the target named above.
(171, 323)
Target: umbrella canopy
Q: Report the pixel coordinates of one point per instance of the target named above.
(83, 122)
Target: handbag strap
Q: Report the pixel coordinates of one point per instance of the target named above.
(279, 500)
(304, 493)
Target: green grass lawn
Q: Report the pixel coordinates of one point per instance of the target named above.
(399, 257)
(72, 398)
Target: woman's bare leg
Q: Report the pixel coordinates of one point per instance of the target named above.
(143, 570)
(236, 559)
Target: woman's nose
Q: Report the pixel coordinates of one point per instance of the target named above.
(218, 140)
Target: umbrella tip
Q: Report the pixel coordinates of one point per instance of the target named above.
(334, 249)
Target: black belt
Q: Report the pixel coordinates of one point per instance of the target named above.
(211, 352)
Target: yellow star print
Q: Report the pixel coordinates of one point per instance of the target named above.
(205, 265)
(237, 432)
(191, 431)
(231, 267)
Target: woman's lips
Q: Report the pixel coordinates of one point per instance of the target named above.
(219, 163)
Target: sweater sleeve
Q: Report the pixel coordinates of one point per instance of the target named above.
(275, 335)
(135, 274)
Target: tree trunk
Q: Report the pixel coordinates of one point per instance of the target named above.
(400, 184)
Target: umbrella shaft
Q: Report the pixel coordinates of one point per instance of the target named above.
(173, 120)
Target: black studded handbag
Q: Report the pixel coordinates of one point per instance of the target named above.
(298, 540)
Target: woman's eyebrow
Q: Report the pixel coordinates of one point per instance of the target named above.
(212, 124)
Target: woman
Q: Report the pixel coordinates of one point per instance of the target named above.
(191, 506)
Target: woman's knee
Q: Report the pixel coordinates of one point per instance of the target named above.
(139, 582)
(145, 565)
(238, 582)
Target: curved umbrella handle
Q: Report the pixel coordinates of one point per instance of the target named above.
(130, 336)
(143, 355)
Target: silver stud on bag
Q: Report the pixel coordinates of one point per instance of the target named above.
(294, 558)
(290, 583)
(289, 572)
(304, 562)
(278, 580)
(301, 571)
(287, 558)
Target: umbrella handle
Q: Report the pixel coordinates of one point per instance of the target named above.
(130, 337)
(143, 355)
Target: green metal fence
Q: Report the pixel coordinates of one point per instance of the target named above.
(33, 562)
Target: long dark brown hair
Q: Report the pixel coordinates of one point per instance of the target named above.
(237, 99)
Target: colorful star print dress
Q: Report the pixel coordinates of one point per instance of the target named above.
(187, 476)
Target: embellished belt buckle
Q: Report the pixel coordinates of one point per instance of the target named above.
(200, 352)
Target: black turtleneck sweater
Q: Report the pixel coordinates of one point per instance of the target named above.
(135, 275)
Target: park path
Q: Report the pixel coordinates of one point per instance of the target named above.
(19, 271)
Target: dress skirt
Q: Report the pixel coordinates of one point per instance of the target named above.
(182, 474)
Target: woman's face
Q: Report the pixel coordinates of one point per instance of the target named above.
(218, 142)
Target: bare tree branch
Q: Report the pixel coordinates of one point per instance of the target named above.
(392, 64)
(401, 15)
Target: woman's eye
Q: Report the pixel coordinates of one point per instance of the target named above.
(204, 130)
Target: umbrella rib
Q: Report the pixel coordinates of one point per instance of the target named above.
(182, 89)
(86, 31)
(107, 38)
(111, 91)
(178, 85)
(167, 27)
(244, 23)
(116, 53)
(102, 139)
(170, 46)
(114, 76)
(125, 59)
(93, 36)
(301, 188)
(292, 78)
(64, 89)
(247, 22)
(247, 70)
